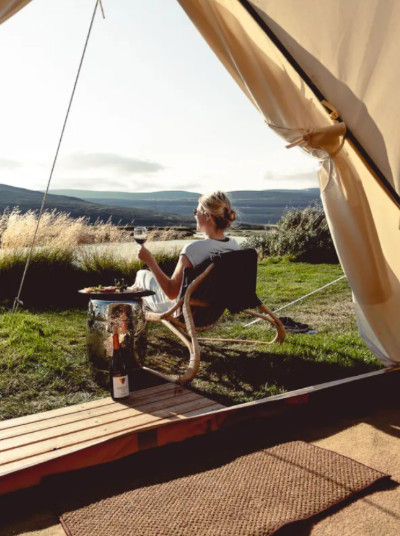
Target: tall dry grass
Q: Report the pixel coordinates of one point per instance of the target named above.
(169, 233)
(56, 229)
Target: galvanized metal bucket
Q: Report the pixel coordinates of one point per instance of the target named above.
(129, 317)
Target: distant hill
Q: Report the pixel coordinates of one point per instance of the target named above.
(253, 206)
(25, 199)
(166, 195)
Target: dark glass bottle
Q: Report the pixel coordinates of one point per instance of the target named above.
(127, 356)
(119, 382)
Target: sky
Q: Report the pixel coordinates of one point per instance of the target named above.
(154, 109)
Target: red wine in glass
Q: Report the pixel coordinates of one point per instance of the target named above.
(140, 235)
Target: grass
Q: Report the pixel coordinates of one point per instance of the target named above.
(237, 373)
(43, 361)
(55, 274)
(57, 229)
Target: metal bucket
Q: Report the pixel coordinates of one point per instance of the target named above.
(129, 317)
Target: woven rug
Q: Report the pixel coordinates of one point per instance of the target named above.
(254, 494)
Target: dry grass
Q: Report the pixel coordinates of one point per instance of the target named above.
(169, 234)
(56, 229)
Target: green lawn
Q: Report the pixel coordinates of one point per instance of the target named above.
(43, 362)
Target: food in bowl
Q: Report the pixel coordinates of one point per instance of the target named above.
(100, 289)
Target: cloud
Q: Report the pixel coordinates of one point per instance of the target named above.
(90, 183)
(121, 185)
(109, 161)
(9, 164)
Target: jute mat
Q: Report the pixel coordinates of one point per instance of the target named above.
(254, 494)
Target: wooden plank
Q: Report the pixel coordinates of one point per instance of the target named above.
(45, 415)
(320, 387)
(112, 449)
(203, 411)
(51, 448)
(177, 427)
(121, 413)
(136, 402)
(209, 407)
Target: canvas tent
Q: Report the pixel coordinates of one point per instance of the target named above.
(298, 62)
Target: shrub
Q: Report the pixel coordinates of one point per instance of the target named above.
(49, 280)
(302, 235)
(55, 275)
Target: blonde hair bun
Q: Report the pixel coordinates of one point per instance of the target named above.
(219, 206)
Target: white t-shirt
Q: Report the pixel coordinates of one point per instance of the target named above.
(199, 251)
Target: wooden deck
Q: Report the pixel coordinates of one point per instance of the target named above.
(96, 432)
(101, 431)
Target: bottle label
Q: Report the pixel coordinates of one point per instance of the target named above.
(120, 386)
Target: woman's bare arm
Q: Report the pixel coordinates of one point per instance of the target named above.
(170, 285)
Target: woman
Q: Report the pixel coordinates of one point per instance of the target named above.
(214, 214)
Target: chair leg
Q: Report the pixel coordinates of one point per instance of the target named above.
(194, 352)
(178, 333)
(194, 361)
(268, 315)
(192, 343)
(241, 341)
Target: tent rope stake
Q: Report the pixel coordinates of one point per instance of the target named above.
(17, 300)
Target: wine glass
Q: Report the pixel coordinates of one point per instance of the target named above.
(140, 235)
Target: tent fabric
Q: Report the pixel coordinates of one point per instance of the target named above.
(350, 51)
(363, 218)
(10, 7)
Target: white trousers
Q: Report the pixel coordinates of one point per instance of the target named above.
(159, 302)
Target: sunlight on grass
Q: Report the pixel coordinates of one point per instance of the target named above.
(57, 229)
(235, 373)
(43, 361)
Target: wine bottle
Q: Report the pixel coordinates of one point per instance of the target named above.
(119, 382)
(129, 360)
(127, 354)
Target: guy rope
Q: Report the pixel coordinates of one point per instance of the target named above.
(17, 299)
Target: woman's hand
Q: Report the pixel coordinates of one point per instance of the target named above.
(145, 255)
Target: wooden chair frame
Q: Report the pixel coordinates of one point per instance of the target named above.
(187, 331)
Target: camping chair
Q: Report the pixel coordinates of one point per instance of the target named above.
(225, 281)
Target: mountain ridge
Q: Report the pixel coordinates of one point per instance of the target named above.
(160, 208)
(252, 206)
(170, 194)
(25, 199)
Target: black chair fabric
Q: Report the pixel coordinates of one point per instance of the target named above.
(231, 285)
